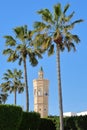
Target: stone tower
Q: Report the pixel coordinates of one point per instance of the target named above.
(41, 94)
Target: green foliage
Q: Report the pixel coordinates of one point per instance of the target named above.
(30, 121)
(46, 124)
(75, 123)
(71, 123)
(81, 122)
(13, 118)
(56, 121)
(10, 117)
(57, 11)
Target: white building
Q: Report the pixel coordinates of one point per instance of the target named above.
(82, 113)
(69, 114)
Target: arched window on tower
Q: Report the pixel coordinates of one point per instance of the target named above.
(39, 92)
(46, 93)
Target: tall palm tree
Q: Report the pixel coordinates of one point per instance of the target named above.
(55, 29)
(13, 83)
(20, 47)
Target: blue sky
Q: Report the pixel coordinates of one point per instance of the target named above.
(73, 65)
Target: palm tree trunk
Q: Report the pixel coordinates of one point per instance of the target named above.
(59, 87)
(15, 96)
(26, 86)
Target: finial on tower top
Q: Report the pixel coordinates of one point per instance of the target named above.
(41, 68)
(40, 73)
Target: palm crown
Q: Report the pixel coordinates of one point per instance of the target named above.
(55, 27)
(21, 46)
(12, 82)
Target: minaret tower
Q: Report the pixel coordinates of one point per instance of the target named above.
(41, 94)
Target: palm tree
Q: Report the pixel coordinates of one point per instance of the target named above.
(12, 82)
(55, 29)
(20, 48)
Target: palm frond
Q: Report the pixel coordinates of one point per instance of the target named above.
(5, 75)
(77, 21)
(9, 72)
(62, 47)
(19, 73)
(8, 51)
(68, 27)
(46, 15)
(25, 30)
(21, 89)
(38, 52)
(3, 97)
(39, 26)
(20, 60)
(5, 86)
(71, 37)
(47, 43)
(71, 15)
(10, 41)
(68, 36)
(76, 38)
(30, 34)
(68, 18)
(5, 78)
(66, 8)
(12, 57)
(19, 47)
(12, 89)
(19, 32)
(32, 58)
(51, 50)
(57, 11)
(39, 40)
(71, 46)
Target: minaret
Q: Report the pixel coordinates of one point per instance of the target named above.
(41, 94)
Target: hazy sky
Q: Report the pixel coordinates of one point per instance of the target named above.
(15, 13)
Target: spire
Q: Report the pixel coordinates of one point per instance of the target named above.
(41, 68)
(40, 73)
